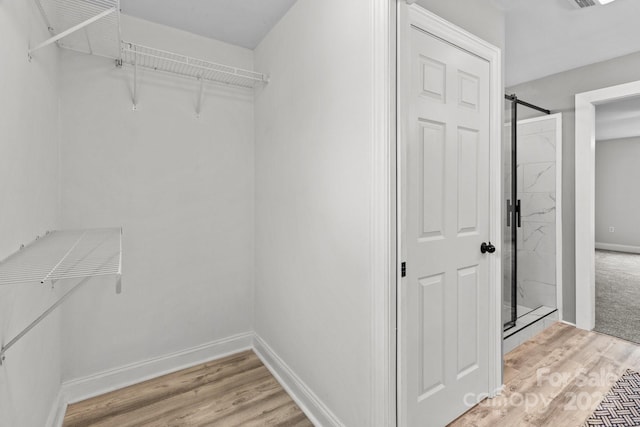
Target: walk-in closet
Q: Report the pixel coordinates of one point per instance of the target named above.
(182, 184)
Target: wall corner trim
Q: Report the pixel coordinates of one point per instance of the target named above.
(94, 385)
(58, 409)
(317, 412)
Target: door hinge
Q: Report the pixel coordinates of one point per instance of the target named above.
(403, 269)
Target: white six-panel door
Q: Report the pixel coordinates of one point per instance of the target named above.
(444, 345)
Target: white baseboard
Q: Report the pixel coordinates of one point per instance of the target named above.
(114, 379)
(317, 412)
(104, 382)
(618, 248)
(59, 408)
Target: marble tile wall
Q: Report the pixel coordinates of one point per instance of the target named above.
(537, 192)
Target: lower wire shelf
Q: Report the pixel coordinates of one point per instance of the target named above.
(60, 255)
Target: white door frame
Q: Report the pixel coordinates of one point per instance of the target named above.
(469, 42)
(585, 195)
(383, 221)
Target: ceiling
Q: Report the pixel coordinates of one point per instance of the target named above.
(618, 119)
(239, 22)
(545, 37)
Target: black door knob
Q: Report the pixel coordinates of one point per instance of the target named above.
(487, 247)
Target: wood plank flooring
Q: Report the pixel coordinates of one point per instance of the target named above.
(235, 391)
(555, 379)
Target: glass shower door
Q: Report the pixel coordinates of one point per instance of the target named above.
(529, 207)
(509, 301)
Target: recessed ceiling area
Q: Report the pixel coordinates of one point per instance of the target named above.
(239, 22)
(618, 119)
(551, 36)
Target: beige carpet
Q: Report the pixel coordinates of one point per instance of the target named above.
(618, 294)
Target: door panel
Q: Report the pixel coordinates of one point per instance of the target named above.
(468, 333)
(433, 183)
(444, 299)
(468, 141)
(432, 333)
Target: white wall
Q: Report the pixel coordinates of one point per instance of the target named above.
(617, 197)
(30, 376)
(313, 160)
(557, 93)
(313, 169)
(181, 186)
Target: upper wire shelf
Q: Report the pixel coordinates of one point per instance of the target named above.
(88, 26)
(162, 60)
(93, 27)
(65, 255)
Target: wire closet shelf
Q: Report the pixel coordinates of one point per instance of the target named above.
(94, 27)
(175, 63)
(65, 254)
(87, 26)
(59, 255)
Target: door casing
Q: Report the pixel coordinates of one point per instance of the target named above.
(585, 195)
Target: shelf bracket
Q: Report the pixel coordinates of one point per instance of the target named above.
(72, 30)
(119, 275)
(200, 94)
(40, 318)
(135, 84)
(86, 36)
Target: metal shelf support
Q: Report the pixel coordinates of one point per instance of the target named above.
(200, 94)
(135, 85)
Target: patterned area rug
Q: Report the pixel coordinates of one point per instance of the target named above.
(621, 406)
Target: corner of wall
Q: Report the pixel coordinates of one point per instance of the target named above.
(313, 407)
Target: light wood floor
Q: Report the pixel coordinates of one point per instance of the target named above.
(555, 379)
(234, 391)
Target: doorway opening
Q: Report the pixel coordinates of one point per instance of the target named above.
(617, 207)
(586, 103)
